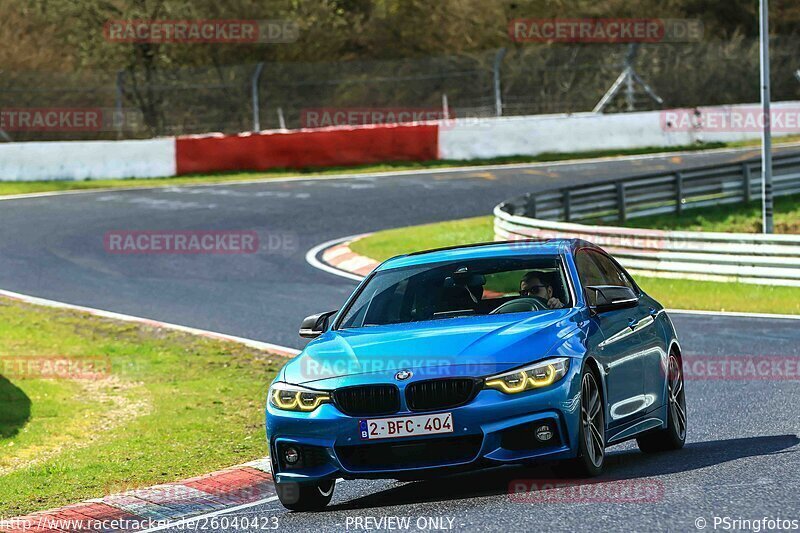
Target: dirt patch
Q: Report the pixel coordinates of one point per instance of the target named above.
(123, 404)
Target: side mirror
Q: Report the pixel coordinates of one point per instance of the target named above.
(604, 298)
(315, 325)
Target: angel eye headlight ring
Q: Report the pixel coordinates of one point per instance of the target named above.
(535, 376)
(294, 398)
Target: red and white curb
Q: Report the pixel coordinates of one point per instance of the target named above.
(158, 507)
(337, 258)
(343, 258)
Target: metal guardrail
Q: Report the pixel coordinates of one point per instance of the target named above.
(751, 258)
(660, 192)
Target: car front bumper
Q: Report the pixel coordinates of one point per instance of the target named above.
(492, 429)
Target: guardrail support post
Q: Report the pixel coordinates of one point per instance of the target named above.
(678, 193)
(621, 207)
(498, 93)
(746, 182)
(567, 206)
(255, 97)
(119, 115)
(766, 130)
(530, 205)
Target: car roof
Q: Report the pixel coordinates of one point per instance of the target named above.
(530, 247)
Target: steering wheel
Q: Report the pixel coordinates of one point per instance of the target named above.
(521, 305)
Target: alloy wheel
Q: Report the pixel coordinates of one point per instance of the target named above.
(677, 398)
(592, 420)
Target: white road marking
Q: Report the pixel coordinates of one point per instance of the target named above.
(311, 257)
(259, 345)
(185, 521)
(155, 203)
(356, 263)
(733, 314)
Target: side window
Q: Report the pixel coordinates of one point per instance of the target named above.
(588, 271)
(611, 274)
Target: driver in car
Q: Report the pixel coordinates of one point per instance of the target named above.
(537, 284)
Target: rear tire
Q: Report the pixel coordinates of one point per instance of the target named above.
(591, 433)
(305, 496)
(673, 436)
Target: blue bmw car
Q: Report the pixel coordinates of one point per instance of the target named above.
(476, 356)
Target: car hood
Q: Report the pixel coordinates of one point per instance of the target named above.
(473, 346)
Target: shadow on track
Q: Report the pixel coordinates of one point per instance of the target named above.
(15, 409)
(630, 464)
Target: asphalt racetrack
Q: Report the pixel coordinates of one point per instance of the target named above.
(742, 456)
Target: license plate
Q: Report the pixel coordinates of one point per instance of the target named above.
(405, 426)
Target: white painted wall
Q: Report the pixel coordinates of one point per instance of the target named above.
(533, 135)
(459, 139)
(80, 160)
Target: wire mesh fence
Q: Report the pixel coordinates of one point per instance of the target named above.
(540, 79)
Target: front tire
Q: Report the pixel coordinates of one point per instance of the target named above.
(591, 434)
(305, 496)
(673, 436)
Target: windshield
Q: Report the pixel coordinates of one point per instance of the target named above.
(459, 289)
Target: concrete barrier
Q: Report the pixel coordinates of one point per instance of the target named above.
(325, 147)
(534, 135)
(87, 160)
(459, 139)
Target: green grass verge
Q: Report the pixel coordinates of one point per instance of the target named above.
(737, 218)
(28, 187)
(172, 406)
(385, 244)
(673, 293)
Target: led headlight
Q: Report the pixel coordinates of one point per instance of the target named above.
(294, 398)
(535, 376)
